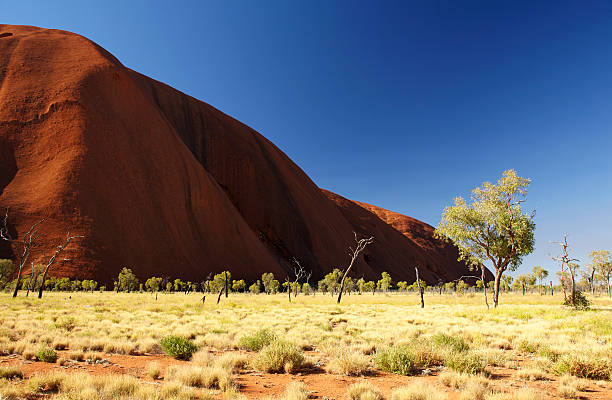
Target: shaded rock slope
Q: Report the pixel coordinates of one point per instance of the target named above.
(166, 184)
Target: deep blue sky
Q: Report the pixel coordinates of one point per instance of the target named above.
(404, 105)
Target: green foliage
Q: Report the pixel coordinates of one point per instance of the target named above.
(258, 340)
(402, 286)
(578, 300)
(7, 268)
(46, 354)
(178, 347)
(127, 281)
(238, 286)
(279, 356)
(369, 286)
(153, 284)
(332, 280)
(450, 342)
(493, 228)
(255, 288)
(385, 282)
(267, 279)
(219, 281)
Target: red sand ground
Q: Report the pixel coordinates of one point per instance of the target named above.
(256, 385)
(165, 184)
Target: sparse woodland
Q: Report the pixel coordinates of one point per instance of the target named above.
(283, 336)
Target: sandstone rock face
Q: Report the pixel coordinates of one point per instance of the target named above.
(168, 185)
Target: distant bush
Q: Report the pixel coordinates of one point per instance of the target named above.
(450, 342)
(47, 354)
(178, 347)
(258, 340)
(578, 300)
(279, 356)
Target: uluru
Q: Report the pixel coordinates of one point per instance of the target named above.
(167, 185)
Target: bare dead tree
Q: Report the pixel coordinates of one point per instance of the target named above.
(288, 282)
(354, 253)
(566, 261)
(27, 244)
(61, 248)
(299, 274)
(420, 287)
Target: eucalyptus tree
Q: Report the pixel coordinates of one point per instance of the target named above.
(493, 228)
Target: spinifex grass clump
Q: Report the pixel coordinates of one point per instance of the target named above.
(450, 342)
(258, 340)
(279, 356)
(178, 347)
(46, 354)
(589, 367)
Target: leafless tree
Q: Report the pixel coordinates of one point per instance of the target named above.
(354, 253)
(58, 251)
(299, 273)
(27, 243)
(421, 290)
(566, 261)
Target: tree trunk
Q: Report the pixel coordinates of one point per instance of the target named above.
(226, 284)
(498, 274)
(484, 285)
(220, 293)
(18, 280)
(420, 287)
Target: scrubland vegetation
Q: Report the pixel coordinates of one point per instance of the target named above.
(130, 345)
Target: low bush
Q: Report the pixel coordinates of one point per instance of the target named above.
(466, 362)
(592, 367)
(578, 300)
(349, 363)
(397, 359)
(417, 391)
(178, 347)
(363, 391)
(9, 372)
(258, 340)
(204, 377)
(46, 354)
(153, 370)
(279, 356)
(450, 342)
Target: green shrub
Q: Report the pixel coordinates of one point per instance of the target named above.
(396, 359)
(279, 356)
(466, 362)
(258, 340)
(578, 300)
(450, 342)
(592, 367)
(47, 354)
(178, 347)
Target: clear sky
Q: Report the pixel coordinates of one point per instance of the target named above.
(400, 104)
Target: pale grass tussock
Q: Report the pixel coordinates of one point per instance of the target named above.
(417, 391)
